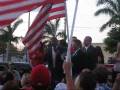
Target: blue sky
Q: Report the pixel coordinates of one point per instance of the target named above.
(86, 23)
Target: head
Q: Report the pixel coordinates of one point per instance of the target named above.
(40, 77)
(25, 80)
(37, 57)
(62, 43)
(76, 44)
(87, 80)
(16, 75)
(11, 85)
(101, 74)
(87, 41)
(74, 38)
(61, 86)
(8, 76)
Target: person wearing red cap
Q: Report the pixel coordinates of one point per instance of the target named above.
(40, 78)
(37, 56)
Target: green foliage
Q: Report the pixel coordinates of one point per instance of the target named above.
(112, 39)
(51, 30)
(7, 33)
(111, 8)
(6, 37)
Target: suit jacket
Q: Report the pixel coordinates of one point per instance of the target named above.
(57, 71)
(78, 61)
(90, 57)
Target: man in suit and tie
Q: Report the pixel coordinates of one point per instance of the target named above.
(54, 61)
(78, 57)
(90, 53)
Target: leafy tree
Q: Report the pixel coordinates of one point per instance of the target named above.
(7, 37)
(111, 8)
(112, 39)
(50, 31)
(7, 33)
(62, 35)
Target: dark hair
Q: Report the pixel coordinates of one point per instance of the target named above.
(8, 76)
(74, 37)
(11, 85)
(87, 80)
(101, 74)
(62, 42)
(78, 42)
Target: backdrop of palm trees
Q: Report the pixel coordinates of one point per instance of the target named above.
(6, 36)
(51, 30)
(111, 8)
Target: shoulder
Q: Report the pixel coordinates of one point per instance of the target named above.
(61, 86)
(102, 87)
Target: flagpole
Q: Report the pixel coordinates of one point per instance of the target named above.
(68, 57)
(28, 19)
(66, 21)
(26, 51)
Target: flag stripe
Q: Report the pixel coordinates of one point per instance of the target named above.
(58, 14)
(41, 18)
(11, 9)
(33, 36)
(34, 39)
(5, 22)
(57, 11)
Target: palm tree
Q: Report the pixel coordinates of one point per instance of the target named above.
(7, 37)
(62, 35)
(52, 27)
(111, 8)
(50, 31)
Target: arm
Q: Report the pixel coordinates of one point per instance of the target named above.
(67, 70)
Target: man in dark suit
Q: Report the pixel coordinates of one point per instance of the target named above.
(78, 58)
(54, 60)
(90, 53)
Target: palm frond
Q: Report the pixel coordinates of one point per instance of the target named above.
(57, 22)
(104, 26)
(16, 24)
(101, 2)
(48, 29)
(109, 3)
(113, 21)
(106, 10)
(15, 39)
(118, 4)
(51, 27)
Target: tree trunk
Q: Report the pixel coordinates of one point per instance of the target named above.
(8, 58)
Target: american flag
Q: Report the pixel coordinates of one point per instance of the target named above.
(11, 9)
(48, 12)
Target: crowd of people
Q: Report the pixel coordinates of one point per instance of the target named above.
(85, 71)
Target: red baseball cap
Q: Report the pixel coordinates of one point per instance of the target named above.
(40, 75)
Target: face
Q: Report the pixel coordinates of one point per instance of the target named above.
(87, 41)
(73, 45)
